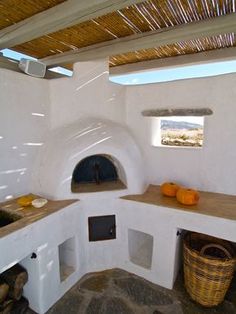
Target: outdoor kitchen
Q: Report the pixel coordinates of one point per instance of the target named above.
(142, 235)
(148, 229)
(117, 198)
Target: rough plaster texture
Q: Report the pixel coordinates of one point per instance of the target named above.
(211, 168)
(60, 102)
(87, 93)
(21, 97)
(67, 146)
(44, 237)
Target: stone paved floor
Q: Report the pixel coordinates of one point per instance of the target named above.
(118, 292)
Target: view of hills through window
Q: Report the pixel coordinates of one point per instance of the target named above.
(182, 131)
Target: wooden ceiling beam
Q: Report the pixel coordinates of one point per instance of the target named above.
(169, 35)
(64, 15)
(217, 55)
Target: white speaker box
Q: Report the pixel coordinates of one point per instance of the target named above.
(32, 67)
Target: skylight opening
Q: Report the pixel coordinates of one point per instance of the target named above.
(17, 56)
(179, 73)
(61, 70)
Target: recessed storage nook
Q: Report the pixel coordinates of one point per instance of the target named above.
(140, 246)
(147, 240)
(12, 289)
(67, 258)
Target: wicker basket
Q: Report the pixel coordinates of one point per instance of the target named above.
(208, 268)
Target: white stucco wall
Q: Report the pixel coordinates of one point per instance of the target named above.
(211, 168)
(87, 93)
(20, 97)
(60, 102)
(64, 101)
(45, 287)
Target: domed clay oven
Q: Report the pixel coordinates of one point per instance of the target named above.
(89, 155)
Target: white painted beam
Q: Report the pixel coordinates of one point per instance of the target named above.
(218, 55)
(169, 35)
(64, 15)
(11, 64)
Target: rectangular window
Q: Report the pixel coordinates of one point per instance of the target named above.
(184, 131)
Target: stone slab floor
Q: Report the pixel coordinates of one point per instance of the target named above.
(118, 292)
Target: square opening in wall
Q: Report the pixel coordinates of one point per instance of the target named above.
(140, 248)
(178, 131)
(67, 258)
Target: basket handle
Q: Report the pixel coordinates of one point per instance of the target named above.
(218, 246)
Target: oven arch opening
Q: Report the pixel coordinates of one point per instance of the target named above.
(97, 173)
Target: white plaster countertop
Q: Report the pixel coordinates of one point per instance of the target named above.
(148, 228)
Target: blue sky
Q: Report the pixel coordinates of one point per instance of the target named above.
(198, 120)
(194, 71)
(17, 56)
(153, 76)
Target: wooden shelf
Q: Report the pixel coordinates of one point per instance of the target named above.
(30, 214)
(211, 204)
(183, 112)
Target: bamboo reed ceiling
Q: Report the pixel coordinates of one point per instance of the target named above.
(139, 18)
